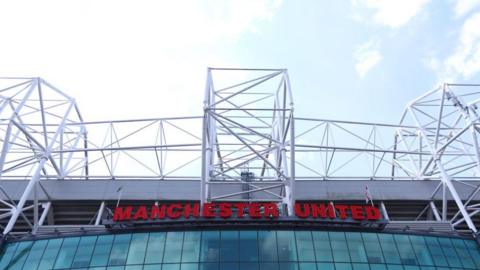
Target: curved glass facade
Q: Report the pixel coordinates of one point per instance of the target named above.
(244, 249)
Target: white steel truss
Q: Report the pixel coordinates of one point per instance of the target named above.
(248, 136)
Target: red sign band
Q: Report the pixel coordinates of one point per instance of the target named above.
(240, 210)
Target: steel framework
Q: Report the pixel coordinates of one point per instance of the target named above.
(247, 136)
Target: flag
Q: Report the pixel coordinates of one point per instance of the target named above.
(368, 196)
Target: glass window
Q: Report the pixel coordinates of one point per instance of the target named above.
(360, 266)
(325, 266)
(405, 249)
(389, 248)
(339, 247)
(268, 266)
(173, 247)
(248, 265)
(189, 266)
(394, 267)
(248, 246)
(267, 244)
(229, 266)
(102, 250)
(152, 267)
(474, 251)
(134, 267)
(116, 268)
(118, 255)
(287, 250)
(67, 252)
(35, 255)
(356, 249)
(48, 258)
(378, 267)
(229, 246)
(373, 248)
(450, 253)
(287, 266)
(84, 251)
(155, 246)
(305, 246)
(421, 250)
(321, 243)
(170, 266)
(138, 246)
(20, 255)
(7, 254)
(436, 251)
(307, 266)
(343, 266)
(463, 254)
(191, 246)
(210, 249)
(427, 267)
(208, 266)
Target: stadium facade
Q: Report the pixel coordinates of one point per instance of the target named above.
(247, 185)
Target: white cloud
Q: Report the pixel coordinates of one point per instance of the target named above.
(392, 13)
(367, 56)
(463, 7)
(142, 58)
(465, 60)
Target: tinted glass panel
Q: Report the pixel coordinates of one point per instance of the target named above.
(138, 246)
(229, 246)
(191, 247)
(373, 248)
(84, 251)
(20, 255)
(210, 250)
(155, 247)
(405, 250)
(67, 252)
(305, 246)
(102, 250)
(248, 246)
(118, 255)
(173, 247)
(267, 243)
(287, 250)
(50, 254)
(249, 249)
(339, 247)
(35, 255)
(389, 248)
(356, 248)
(323, 250)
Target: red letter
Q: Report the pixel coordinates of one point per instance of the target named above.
(357, 212)
(122, 213)
(188, 210)
(141, 213)
(240, 207)
(302, 213)
(174, 210)
(208, 210)
(319, 210)
(254, 210)
(372, 213)
(270, 210)
(157, 212)
(342, 210)
(225, 210)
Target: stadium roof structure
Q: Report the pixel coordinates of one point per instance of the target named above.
(247, 146)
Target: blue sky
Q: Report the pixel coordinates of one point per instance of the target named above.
(348, 60)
